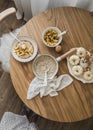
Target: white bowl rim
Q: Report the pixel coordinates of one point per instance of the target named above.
(55, 28)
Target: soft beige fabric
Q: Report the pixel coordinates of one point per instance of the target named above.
(33, 7)
(53, 86)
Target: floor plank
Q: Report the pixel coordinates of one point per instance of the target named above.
(50, 125)
(9, 100)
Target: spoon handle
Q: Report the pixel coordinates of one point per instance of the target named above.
(45, 79)
(14, 37)
(64, 32)
(68, 53)
(44, 85)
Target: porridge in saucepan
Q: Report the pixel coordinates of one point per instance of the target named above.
(44, 62)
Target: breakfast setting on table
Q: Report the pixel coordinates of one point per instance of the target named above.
(46, 66)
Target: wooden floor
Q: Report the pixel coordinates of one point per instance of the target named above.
(9, 100)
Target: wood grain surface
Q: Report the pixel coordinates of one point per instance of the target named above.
(75, 102)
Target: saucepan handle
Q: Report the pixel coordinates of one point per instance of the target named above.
(73, 50)
(6, 13)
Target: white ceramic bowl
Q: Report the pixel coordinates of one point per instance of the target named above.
(57, 30)
(28, 38)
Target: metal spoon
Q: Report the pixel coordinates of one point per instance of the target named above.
(45, 77)
(44, 83)
(64, 32)
(16, 38)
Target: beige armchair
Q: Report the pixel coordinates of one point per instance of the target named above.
(6, 13)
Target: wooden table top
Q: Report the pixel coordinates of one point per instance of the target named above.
(75, 102)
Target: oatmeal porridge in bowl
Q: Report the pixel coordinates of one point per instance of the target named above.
(25, 50)
(42, 63)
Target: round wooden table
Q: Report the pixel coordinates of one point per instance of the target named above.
(75, 102)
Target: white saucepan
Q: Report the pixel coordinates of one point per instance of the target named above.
(44, 61)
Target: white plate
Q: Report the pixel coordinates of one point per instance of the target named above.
(80, 78)
(28, 38)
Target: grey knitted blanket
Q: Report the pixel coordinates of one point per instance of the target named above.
(11, 121)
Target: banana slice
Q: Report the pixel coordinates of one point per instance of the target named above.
(77, 70)
(74, 60)
(88, 75)
(81, 52)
